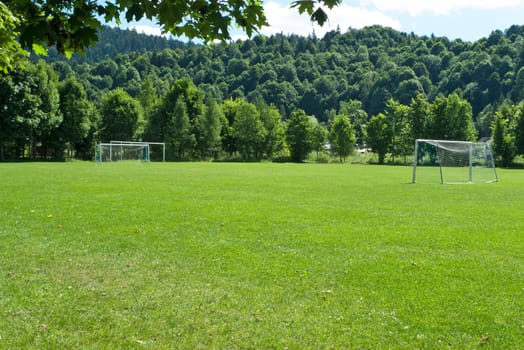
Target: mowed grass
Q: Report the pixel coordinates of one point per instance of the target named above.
(257, 256)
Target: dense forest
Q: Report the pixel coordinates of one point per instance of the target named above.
(278, 97)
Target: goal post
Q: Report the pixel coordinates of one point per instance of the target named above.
(448, 161)
(153, 147)
(111, 152)
(130, 150)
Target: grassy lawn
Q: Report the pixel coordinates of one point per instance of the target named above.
(257, 256)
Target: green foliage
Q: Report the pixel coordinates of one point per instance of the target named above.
(248, 132)
(77, 114)
(342, 137)
(147, 96)
(122, 118)
(274, 142)
(357, 116)
(503, 132)
(417, 119)
(320, 137)
(11, 51)
(209, 126)
(314, 10)
(451, 119)
(30, 111)
(354, 73)
(401, 143)
(178, 133)
(299, 135)
(72, 26)
(379, 135)
(519, 128)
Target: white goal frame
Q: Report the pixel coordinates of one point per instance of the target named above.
(163, 144)
(145, 147)
(475, 156)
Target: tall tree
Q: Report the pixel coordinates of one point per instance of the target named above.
(77, 114)
(209, 125)
(274, 141)
(357, 116)
(249, 132)
(379, 135)
(179, 134)
(29, 103)
(519, 128)
(342, 136)
(12, 51)
(319, 137)
(417, 118)
(397, 115)
(299, 135)
(51, 117)
(121, 117)
(503, 139)
(451, 118)
(147, 96)
(20, 113)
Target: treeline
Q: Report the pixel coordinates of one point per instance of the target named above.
(363, 75)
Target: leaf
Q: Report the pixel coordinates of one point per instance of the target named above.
(39, 49)
(319, 16)
(304, 6)
(331, 3)
(68, 53)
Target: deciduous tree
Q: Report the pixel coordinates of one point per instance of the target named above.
(121, 117)
(77, 113)
(249, 132)
(179, 135)
(209, 125)
(379, 135)
(503, 139)
(342, 137)
(299, 135)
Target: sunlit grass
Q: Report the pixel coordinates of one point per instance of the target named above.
(204, 255)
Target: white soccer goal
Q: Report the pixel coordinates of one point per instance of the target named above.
(130, 151)
(157, 150)
(111, 152)
(453, 162)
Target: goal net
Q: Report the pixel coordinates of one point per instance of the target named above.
(132, 151)
(157, 150)
(453, 162)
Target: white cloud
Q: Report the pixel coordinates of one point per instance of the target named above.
(441, 7)
(147, 29)
(283, 19)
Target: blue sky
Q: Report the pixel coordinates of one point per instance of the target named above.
(468, 20)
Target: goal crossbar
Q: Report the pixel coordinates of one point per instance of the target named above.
(163, 144)
(122, 151)
(457, 161)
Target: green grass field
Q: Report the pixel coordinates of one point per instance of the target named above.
(257, 256)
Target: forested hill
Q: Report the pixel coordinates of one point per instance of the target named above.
(370, 65)
(113, 41)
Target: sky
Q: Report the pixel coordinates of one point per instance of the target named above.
(468, 20)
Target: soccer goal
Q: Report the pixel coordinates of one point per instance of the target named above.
(130, 151)
(453, 162)
(157, 150)
(112, 152)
